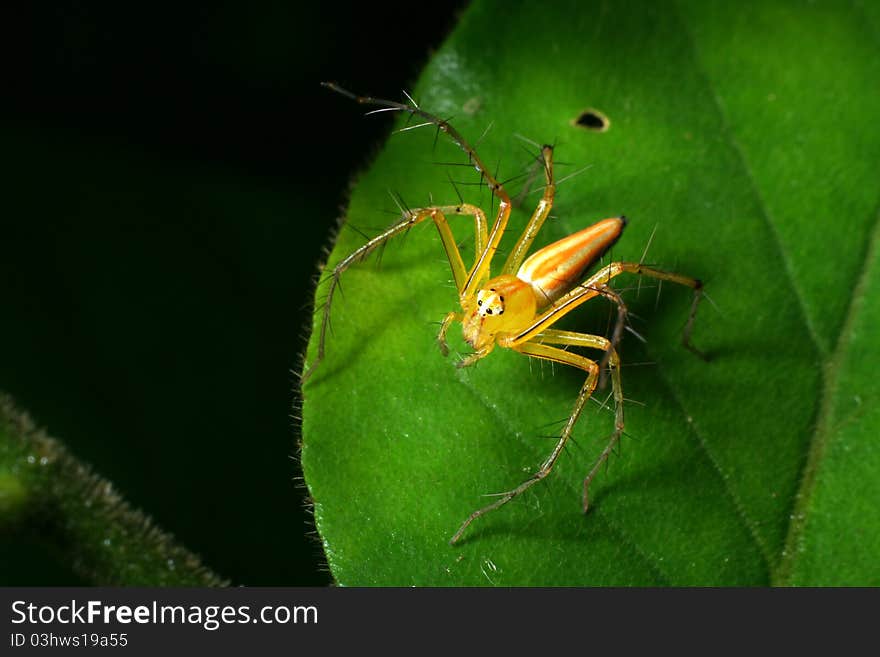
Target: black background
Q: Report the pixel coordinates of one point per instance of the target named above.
(171, 174)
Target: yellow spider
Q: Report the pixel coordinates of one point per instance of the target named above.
(517, 308)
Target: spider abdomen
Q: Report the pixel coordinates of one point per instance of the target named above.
(558, 267)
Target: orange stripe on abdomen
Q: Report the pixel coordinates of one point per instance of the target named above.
(558, 267)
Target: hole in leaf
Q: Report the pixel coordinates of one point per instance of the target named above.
(593, 119)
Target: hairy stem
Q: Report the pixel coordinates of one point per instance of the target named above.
(45, 489)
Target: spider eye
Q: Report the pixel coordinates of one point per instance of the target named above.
(479, 302)
(489, 312)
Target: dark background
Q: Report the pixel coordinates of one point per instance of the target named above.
(171, 174)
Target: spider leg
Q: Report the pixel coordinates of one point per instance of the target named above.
(480, 271)
(470, 359)
(553, 336)
(557, 355)
(444, 327)
(610, 293)
(558, 309)
(521, 248)
(442, 126)
(597, 285)
(601, 278)
(409, 219)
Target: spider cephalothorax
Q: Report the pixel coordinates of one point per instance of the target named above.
(504, 305)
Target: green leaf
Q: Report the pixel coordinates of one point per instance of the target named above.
(746, 136)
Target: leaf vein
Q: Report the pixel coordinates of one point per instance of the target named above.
(820, 345)
(823, 427)
(765, 213)
(747, 522)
